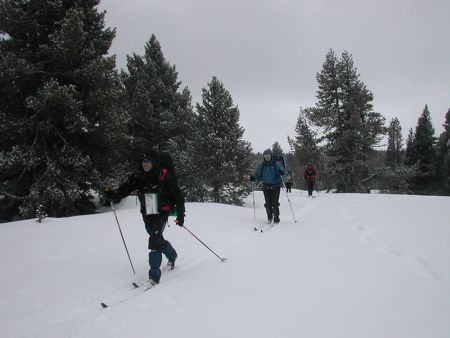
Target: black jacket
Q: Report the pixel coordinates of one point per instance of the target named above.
(154, 181)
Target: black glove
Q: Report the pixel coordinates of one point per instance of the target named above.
(252, 178)
(180, 220)
(108, 194)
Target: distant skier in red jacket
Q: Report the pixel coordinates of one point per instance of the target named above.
(310, 177)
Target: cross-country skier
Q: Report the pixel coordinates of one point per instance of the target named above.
(310, 177)
(269, 172)
(158, 192)
(288, 181)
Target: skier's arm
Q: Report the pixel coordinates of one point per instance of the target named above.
(258, 173)
(123, 190)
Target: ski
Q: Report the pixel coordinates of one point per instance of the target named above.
(144, 287)
(259, 227)
(134, 285)
(268, 228)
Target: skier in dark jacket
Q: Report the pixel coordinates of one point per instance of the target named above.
(158, 192)
(288, 181)
(269, 172)
(310, 177)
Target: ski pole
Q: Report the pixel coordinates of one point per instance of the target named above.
(123, 240)
(295, 221)
(222, 259)
(282, 187)
(253, 193)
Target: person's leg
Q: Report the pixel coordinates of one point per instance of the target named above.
(276, 204)
(154, 224)
(268, 199)
(169, 252)
(310, 188)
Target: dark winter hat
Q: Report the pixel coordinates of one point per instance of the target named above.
(149, 157)
(148, 161)
(267, 152)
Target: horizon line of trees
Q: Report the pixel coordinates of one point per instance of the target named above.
(341, 134)
(70, 122)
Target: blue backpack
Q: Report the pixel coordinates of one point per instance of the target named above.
(280, 159)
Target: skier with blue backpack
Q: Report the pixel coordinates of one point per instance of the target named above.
(270, 173)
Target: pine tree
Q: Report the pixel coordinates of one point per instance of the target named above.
(423, 156)
(395, 144)
(305, 143)
(58, 97)
(443, 157)
(159, 114)
(395, 175)
(182, 146)
(422, 146)
(276, 149)
(345, 116)
(222, 156)
(408, 151)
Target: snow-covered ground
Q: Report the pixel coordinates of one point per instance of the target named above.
(353, 266)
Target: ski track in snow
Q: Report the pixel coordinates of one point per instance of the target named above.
(420, 265)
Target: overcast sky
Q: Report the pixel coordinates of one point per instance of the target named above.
(267, 53)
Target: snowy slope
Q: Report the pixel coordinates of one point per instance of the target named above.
(352, 266)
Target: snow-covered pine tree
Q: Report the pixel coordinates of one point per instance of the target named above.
(159, 114)
(222, 156)
(395, 144)
(345, 115)
(182, 147)
(58, 98)
(40, 213)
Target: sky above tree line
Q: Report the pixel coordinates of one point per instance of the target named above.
(267, 53)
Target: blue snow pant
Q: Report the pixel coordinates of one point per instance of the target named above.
(155, 224)
(271, 196)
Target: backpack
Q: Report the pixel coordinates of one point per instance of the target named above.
(310, 174)
(280, 159)
(165, 161)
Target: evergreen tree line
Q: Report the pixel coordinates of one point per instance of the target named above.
(71, 123)
(341, 134)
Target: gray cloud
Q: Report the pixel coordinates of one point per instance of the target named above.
(267, 53)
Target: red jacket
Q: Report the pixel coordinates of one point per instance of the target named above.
(310, 174)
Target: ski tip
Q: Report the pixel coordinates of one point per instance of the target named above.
(135, 285)
(104, 305)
